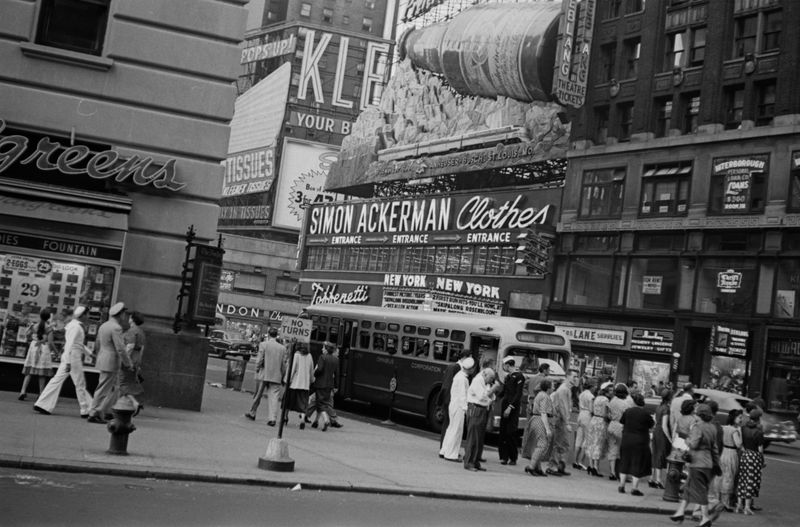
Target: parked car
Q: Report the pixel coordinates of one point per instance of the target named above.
(775, 429)
(230, 344)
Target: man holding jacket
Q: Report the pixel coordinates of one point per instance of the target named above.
(111, 355)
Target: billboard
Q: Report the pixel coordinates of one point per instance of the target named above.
(249, 172)
(304, 167)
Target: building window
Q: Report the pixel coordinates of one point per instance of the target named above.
(633, 48)
(369, 4)
(734, 107)
(601, 193)
(744, 35)
(366, 24)
(665, 190)
(738, 185)
(345, 20)
(249, 282)
(305, 9)
(771, 31)
(286, 286)
(625, 116)
(608, 64)
(726, 285)
(327, 14)
(652, 283)
(698, 51)
(765, 103)
(691, 112)
(614, 8)
(634, 6)
(794, 190)
(663, 117)
(601, 125)
(675, 49)
(787, 289)
(76, 25)
(271, 15)
(589, 281)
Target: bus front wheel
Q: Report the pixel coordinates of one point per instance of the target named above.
(435, 415)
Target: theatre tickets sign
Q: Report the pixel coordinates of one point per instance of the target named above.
(416, 220)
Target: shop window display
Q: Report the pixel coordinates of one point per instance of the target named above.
(787, 289)
(590, 281)
(726, 285)
(652, 283)
(29, 284)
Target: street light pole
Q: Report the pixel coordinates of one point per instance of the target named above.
(277, 456)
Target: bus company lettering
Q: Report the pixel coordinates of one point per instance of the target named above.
(425, 366)
(433, 214)
(328, 295)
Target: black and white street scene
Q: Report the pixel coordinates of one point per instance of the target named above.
(399, 262)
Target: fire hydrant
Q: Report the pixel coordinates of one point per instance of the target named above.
(672, 488)
(121, 427)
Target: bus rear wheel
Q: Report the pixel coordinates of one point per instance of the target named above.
(435, 414)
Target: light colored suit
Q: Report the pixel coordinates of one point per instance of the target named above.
(111, 355)
(71, 358)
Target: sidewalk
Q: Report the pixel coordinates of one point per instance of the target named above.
(220, 445)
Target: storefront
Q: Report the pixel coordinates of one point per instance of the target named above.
(250, 322)
(621, 353)
(782, 380)
(485, 253)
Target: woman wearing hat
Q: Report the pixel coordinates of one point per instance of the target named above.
(37, 361)
(616, 407)
(635, 458)
(751, 461)
(595, 445)
(661, 440)
(703, 459)
(729, 458)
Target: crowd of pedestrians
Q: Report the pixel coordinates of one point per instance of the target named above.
(308, 388)
(722, 464)
(120, 343)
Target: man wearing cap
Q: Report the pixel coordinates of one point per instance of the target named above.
(111, 355)
(71, 365)
(270, 370)
(451, 446)
(509, 412)
(444, 393)
(562, 429)
(675, 406)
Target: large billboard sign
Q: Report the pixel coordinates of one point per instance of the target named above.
(572, 52)
(269, 50)
(249, 172)
(304, 166)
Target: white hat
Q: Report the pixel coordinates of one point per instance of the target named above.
(79, 311)
(116, 309)
(509, 358)
(467, 363)
(606, 385)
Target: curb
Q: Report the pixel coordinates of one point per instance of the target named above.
(29, 463)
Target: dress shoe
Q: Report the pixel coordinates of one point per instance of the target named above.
(562, 472)
(22, 396)
(315, 424)
(270, 423)
(636, 492)
(613, 477)
(41, 410)
(302, 425)
(532, 472)
(621, 489)
(512, 462)
(504, 462)
(551, 472)
(96, 419)
(441, 456)
(84, 416)
(706, 523)
(677, 518)
(336, 424)
(482, 460)
(325, 427)
(754, 508)
(480, 469)
(250, 416)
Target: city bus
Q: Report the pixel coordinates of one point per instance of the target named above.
(397, 356)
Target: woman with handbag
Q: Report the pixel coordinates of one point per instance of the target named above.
(38, 362)
(751, 462)
(729, 459)
(616, 407)
(703, 461)
(661, 440)
(596, 436)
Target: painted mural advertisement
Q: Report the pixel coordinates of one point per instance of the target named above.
(304, 166)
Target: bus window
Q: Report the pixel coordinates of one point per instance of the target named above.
(456, 349)
(442, 333)
(366, 324)
(423, 347)
(422, 330)
(380, 326)
(319, 333)
(409, 329)
(363, 340)
(391, 344)
(439, 350)
(394, 327)
(333, 334)
(323, 319)
(409, 345)
(458, 336)
(379, 342)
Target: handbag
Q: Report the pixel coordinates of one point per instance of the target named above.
(686, 456)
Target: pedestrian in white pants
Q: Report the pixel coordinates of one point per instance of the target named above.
(71, 365)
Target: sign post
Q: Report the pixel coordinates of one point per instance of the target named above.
(294, 330)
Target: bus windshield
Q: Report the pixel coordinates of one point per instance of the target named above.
(528, 360)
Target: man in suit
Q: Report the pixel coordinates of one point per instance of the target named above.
(270, 371)
(326, 379)
(111, 355)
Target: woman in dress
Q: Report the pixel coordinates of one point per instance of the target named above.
(616, 407)
(661, 440)
(585, 403)
(129, 384)
(595, 445)
(751, 461)
(729, 459)
(302, 376)
(703, 453)
(38, 361)
(635, 458)
(540, 435)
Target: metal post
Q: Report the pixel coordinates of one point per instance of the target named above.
(190, 236)
(286, 391)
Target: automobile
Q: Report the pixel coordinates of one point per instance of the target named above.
(226, 344)
(775, 429)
